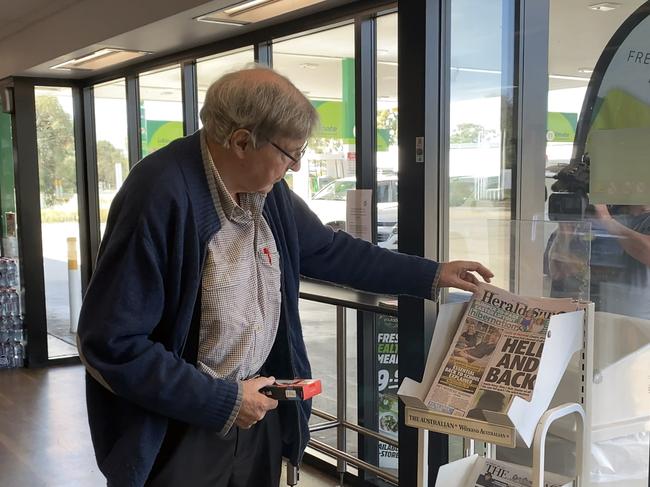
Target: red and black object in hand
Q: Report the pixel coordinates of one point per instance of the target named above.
(293, 389)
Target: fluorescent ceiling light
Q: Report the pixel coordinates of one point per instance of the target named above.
(240, 7)
(255, 10)
(100, 59)
(604, 6)
(585, 70)
(209, 19)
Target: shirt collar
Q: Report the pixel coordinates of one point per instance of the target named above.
(251, 204)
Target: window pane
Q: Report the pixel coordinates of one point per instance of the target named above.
(212, 68)
(161, 108)
(59, 215)
(480, 112)
(112, 143)
(322, 66)
(387, 131)
(480, 168)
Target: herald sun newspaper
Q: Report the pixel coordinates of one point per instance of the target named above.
(495, 353)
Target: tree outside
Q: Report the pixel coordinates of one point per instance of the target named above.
(56, 161)
(108, 157)
(471, 133)
(57, 164)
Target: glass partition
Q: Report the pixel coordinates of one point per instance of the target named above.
(597, 170)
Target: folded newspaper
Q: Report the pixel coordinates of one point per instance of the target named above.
(493, 473)
(495, 353)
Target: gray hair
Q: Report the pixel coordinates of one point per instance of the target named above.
(260, 100)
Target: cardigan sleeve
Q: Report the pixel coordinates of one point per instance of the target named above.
(338, 257)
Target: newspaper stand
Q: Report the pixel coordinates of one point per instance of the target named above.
(524, 423)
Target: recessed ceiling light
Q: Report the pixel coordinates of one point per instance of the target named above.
(240, 7)
(604, 6)
(585, 70)
(211, 20)
(250, 11)
(100, 59)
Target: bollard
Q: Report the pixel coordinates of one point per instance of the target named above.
(74, 284)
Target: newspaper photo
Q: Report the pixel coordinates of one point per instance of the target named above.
(495, 353)
(493, 473)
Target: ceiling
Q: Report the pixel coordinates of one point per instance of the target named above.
(577, 37)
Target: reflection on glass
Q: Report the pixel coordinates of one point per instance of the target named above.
(480, 171)
(210, 69)
(112, 143)
(387, 153)
(322, 66)
(161, 108)
(59, 214)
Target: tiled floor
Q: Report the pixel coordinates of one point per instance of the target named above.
(44, 437)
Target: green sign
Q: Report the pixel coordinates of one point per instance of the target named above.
(561, 127)
(159, 133)
(7, 201)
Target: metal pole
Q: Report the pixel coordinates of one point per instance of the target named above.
(330, 450)
(341, 388)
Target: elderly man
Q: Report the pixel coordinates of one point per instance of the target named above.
(193, 306)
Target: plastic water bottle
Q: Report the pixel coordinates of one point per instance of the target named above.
(6, 352)
(18, 359)
(13, 307)
(17, 328)
(3, 272)
(11, 273)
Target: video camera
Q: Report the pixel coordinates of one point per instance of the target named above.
(569, 200)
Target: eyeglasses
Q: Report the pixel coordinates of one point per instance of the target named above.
(294, 159)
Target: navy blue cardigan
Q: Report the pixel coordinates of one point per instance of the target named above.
(142, 304)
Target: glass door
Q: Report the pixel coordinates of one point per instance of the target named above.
(57, 169)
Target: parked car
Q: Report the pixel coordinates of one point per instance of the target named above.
(330, 204)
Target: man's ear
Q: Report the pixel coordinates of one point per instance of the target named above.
(239, 141)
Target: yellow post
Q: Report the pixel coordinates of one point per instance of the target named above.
(74, 284)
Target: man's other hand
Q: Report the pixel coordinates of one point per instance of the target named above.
(254, 404)
(460, 274)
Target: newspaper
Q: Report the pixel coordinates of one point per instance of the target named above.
(493, 473)
(495, 353)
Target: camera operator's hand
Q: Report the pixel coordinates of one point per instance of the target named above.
(254, 404)
(602, 212)
(634, 243)
(459, 274)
